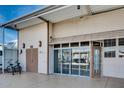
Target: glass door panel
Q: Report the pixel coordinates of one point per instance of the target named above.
(10, 46)
(75, 62)
(96, 61)
(57, 61)
(84, 63)
(66, 60)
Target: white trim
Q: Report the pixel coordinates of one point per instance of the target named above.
(42, 14)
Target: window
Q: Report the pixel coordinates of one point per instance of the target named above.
(121, 42)
(96, 43)
(109, 42)
(109, 54)
(0, 53)
(57, 46)
(75, 44)
(84, 43)
(65, 45)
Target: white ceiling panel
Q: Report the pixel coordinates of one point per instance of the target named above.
(65, 13)
(101, 8)
(29, 23)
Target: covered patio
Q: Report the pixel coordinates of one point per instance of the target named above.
(51, 15)
(48, 17)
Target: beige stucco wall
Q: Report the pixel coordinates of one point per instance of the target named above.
(31, 36)
(109, 21)
(98, 23)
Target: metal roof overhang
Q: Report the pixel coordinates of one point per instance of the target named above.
(57, 13)
(30, 19)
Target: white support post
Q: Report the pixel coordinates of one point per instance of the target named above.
(3, 50)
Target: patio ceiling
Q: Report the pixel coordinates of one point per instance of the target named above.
(60, 13)
(68, 12)
(28, 23)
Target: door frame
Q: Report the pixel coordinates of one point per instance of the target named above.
(92, 58)
(70, 64)
(69, 68)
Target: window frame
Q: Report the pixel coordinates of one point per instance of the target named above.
(109, 42)
(110, 54)
(120, 42)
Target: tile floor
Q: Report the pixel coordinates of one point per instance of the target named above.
(35, 80)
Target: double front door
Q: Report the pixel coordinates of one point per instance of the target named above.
(71, 61)
(32, 60)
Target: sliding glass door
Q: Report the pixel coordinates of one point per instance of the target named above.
(72, 61)
(66, 60)
(75, 62)
(57, 61)
(62, 60)
(84, 63)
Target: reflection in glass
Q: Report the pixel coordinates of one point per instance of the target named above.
(66, 60)
(75, 62)
(96, 61)
(84, 63)
(10, 46)
(72, 61)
